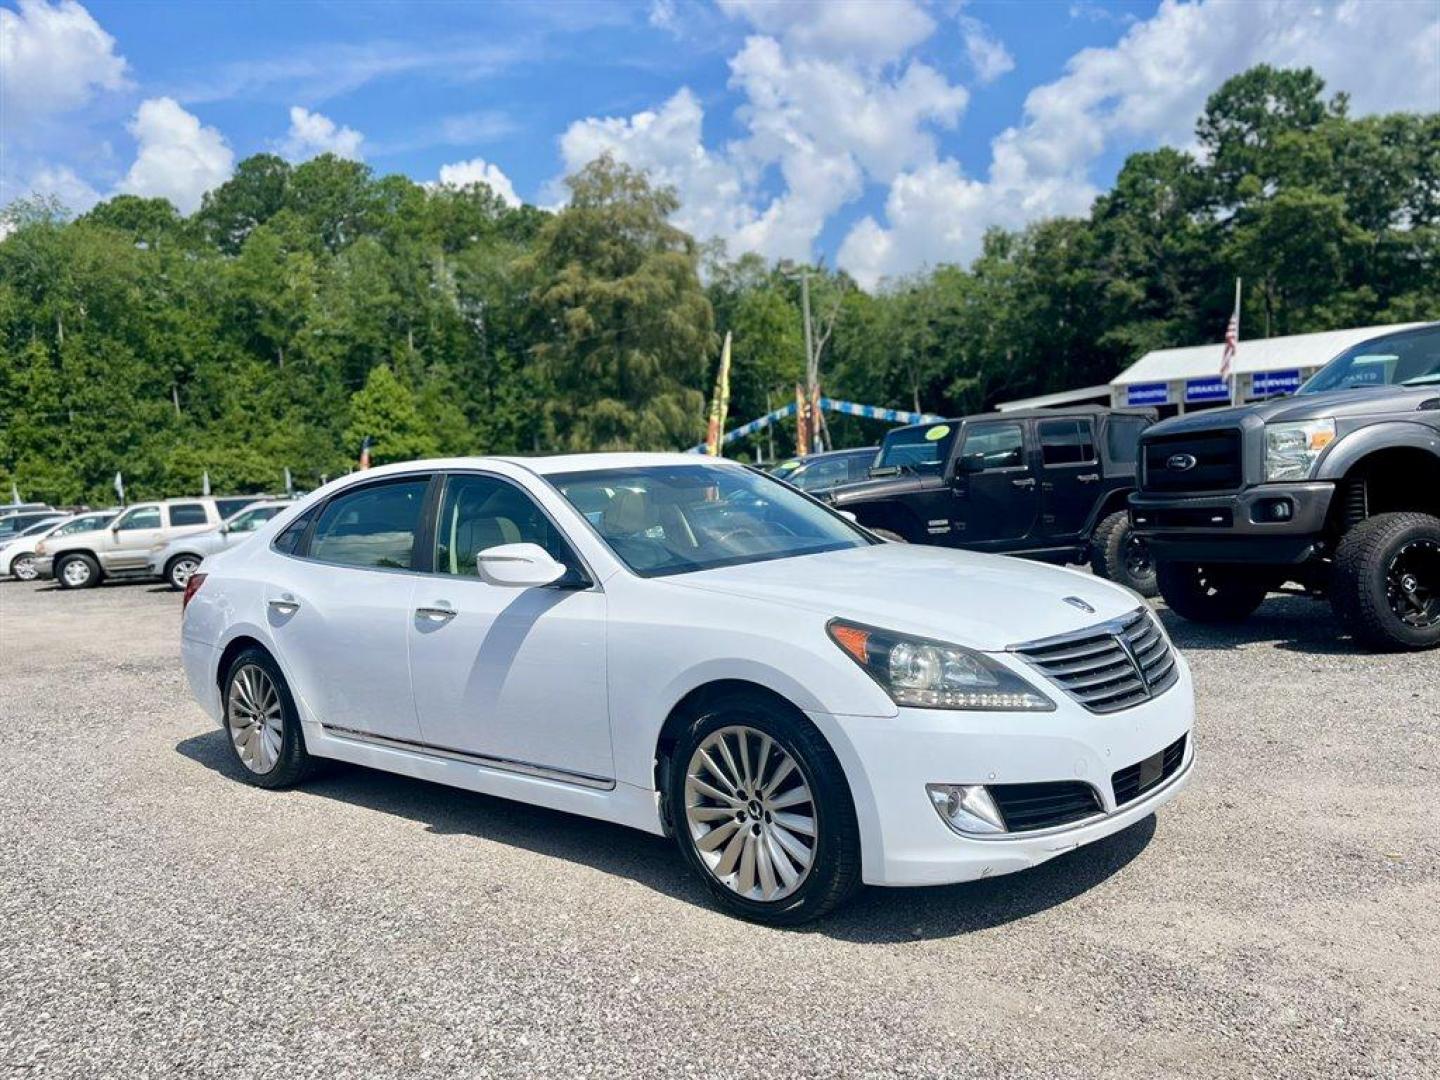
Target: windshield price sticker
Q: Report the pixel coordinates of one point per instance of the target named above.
(938, 432)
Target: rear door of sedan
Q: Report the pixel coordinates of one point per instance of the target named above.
(513, 675)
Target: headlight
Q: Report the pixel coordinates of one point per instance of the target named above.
(935, 675)
(1292, 449)
(40, 548)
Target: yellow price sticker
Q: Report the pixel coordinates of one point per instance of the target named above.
(938, 432)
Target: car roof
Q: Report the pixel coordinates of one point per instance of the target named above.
(558, 463)
(1032, 414)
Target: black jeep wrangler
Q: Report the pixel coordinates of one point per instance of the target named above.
(1336, 489)
(1047, 484)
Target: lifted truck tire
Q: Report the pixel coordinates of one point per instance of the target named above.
(1117, 554)
(1211, 593)
(1386, 584)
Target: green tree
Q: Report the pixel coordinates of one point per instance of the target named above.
(385, 411)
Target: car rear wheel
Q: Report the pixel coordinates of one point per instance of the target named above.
(1118, 554)
(23, 568)
(1386, 586)
(77, 572)
(262, 723)
(179, 569)
(1211, 593)
(762, 812)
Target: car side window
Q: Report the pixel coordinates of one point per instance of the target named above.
(374, 526)
(480, 512)
(142, 517)
(187, 514)
(253, 519)
(1002, 445)
(290, 538)
(1067, 442)
(1122, 438)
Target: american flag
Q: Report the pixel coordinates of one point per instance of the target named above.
(1232, 338)
(365, 453)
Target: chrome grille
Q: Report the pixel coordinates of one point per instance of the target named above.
(1116, 665)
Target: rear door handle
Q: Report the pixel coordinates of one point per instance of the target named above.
(1029, 483)
(439, 612)
(1088, 478)
(285, 605)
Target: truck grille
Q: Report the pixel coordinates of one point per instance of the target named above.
(1211, 461)
(1116, 665)
(1044, 806)
(1131, 783)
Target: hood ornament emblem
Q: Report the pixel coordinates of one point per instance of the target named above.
(1181, 462)
(1075, 601)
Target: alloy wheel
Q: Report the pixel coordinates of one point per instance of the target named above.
(76, 573)
(751, 813)
(23, 568)
(180, 572)
(1412, 584)
(255, 718)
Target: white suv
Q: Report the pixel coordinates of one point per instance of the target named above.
(122, 549)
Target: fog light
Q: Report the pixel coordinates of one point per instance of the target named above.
(966, 808)
(1272, 510)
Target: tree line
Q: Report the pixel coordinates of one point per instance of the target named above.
(305, 307)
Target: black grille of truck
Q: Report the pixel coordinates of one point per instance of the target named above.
(1198, 461)
(1109, 667)
(1044, 806)
(1132, 782)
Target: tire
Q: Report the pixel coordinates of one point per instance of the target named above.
(1386, 583)
(767, 822)
(77, 572)
(1118, 555)
(179, 569)
(1211, 593)
(266, 758)
(22, 568)
(888, 536)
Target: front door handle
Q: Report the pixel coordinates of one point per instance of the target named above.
(285, 605)
(440, 612)
(1027, 483)
(1088, 478)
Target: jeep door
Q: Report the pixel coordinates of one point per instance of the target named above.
(1070, 474)
(995, 495)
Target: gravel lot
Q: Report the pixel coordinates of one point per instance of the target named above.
(159, 918)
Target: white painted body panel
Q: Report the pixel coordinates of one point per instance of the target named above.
(592, 689)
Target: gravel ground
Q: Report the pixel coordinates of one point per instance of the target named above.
(158, 918)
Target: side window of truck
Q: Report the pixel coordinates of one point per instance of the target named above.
(1002, 446)
(1067, 442)
(1122, 438)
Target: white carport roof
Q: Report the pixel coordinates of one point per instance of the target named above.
(1064, 397)
(1258, 354)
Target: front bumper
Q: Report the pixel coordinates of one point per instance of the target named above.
(44, 567)
(1234, 527)
(890, 760)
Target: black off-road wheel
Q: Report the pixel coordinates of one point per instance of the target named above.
(1386, 583)
(1212, 592)
(262, 722)
(1118, 555)
(762, 812)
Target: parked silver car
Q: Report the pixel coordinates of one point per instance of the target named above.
(16, 551)
(175, 560)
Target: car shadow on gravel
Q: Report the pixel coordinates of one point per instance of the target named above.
(875, 915)
(1289, 622)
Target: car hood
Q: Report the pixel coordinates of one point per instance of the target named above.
(884, 487)
(1339, 404)
(986, 602)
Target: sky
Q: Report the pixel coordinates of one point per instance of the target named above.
(882, 136)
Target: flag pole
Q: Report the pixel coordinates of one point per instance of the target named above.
(1235, 373)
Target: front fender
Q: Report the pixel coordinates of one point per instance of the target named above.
(1348, 451)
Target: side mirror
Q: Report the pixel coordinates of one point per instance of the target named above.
(971, 463)
(518, 566)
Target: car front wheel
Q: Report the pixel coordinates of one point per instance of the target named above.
(23, 568)
(762, 812)
(77, 572)
(1386, 587)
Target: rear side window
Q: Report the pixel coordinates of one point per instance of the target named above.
(288, 542)
(374, 526)
(187, 514)
(1122, 439)
(1067, 442)
(227, 507)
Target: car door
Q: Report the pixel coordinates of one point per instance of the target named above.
(1069, 474)
(513, 676)
(996, 496)
(339, 610)
(127, 544)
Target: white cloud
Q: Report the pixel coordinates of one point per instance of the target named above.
(1145, 90)
(988, 55)
(178, 158)
(479, 171)
(312, 134)
(53, 58)
(662, 15)
(859, 30)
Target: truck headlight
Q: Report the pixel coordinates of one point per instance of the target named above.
(1291, 450)
(929, 674)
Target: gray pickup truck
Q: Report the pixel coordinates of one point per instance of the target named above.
(1337, 489)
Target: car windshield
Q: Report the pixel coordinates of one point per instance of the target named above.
(924, 447)
(1410, 358)
(44, 526)
(680, 518)
(785, 468)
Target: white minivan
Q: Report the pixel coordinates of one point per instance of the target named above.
(689, 647)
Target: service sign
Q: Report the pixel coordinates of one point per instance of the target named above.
(1210, 389)
(1148, 394)
(1275, 383)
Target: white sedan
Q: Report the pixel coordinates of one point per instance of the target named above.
(17, 555)
(685, 646)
